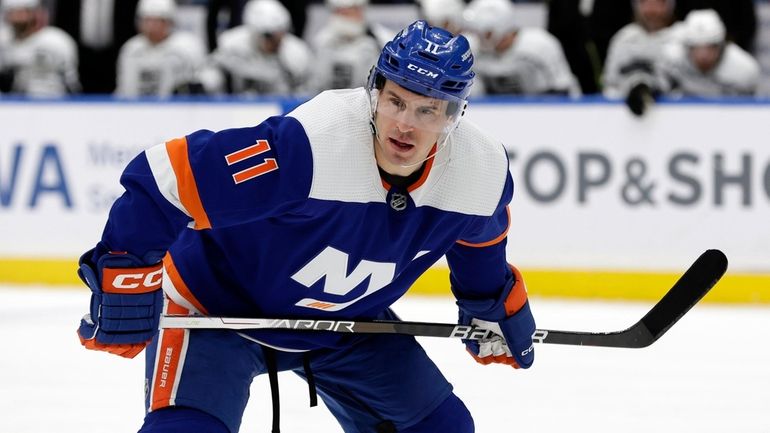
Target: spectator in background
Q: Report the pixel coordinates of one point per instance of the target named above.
(35, 59)
(447, 14)
(738, 16)
(100, 28)
(347, 46)
(261, 57)
(632, 70)
(705, 64)
(5, 32)
(584, 29)
(159, 61)
(515, 61)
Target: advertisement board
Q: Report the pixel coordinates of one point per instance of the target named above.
(599, 188)
(60, 164)
(599, 193)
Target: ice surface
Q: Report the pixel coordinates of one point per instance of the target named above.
(709, 373)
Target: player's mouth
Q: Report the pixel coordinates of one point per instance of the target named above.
(400, 146)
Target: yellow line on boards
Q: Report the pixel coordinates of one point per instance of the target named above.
(615, 285)
(39, 271)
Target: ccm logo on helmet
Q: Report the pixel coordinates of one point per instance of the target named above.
(421, 71)
(132, 280)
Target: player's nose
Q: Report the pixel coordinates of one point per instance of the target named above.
(404, 122)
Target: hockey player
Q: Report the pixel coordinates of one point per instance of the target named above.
(159, 61)
(346, 46)
(632, 68)
(262, 57)
(35, 59)
(330, 211)
(516, 61)
(705, 63)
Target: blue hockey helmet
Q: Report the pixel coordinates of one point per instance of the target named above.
(428, 60)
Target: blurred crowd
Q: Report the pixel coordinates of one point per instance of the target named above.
(635, 50)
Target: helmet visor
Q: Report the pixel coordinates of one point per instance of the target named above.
(412, 110)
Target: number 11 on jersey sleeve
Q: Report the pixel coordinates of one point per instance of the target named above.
(268, 164)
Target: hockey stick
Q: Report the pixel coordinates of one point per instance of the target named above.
(685, 293)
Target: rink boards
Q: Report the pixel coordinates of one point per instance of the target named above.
(606, 205)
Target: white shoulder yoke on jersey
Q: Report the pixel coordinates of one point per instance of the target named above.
(467, 177)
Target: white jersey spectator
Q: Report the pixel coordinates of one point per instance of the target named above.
(512, 60)
(347, 46)
(159, 61)
(447, 14)
(262, 57)
(635, 52)
(35, 59)
(705, 64)
(5, 30)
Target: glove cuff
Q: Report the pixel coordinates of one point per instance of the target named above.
(517, 295)
(519, 329)
(510, 301)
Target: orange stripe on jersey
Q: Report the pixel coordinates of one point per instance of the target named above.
(320, 305)
(423, 176)
(171, 344)
(180, 285)
(254, 150)
(188, 190)
(176, 309)
(493, 241)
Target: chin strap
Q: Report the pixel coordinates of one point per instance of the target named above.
(438, 147)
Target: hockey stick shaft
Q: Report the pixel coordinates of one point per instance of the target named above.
(688, 290)
(417, 329)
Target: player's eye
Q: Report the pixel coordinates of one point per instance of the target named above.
(397, 103)
(427, 111)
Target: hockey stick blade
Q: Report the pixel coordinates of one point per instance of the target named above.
(690, 288)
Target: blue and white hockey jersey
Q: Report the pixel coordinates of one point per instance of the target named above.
(291, 219)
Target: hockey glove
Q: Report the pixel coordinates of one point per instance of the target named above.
(511, 321)
(639, 99)
(126, 301)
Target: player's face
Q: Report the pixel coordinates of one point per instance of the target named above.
(408, 125)
(488, 41)
(21, 20)
(155, 29)
(269, 42)
(354, 13)
(654, 14)
(705, 57)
